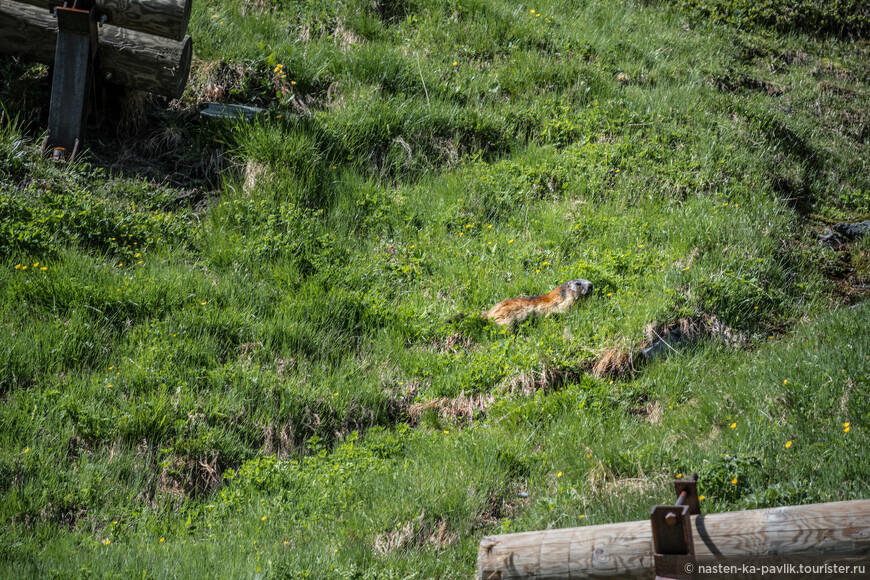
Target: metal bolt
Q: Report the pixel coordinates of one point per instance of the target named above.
(671, 518)
(108, 76)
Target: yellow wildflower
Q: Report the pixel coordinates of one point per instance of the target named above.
(788, 444)
(734, 481)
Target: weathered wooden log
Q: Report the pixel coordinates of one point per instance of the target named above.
(166, 18)
(626, 550)
(138, 61)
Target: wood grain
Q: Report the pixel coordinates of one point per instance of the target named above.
(166, 18)
(133, 59)
(625, 550)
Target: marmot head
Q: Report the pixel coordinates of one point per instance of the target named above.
(575, 289)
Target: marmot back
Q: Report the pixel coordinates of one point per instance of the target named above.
(559, 300)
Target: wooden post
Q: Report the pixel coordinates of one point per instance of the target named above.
(625, 550)
(139, 61)
(166, 18)
(72, 78)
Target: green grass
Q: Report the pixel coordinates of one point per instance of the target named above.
(231, 349)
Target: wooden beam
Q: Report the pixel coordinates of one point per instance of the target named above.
(625, 550)
(166, 18)
(138, 61)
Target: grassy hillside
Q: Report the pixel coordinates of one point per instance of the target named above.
(231, 348)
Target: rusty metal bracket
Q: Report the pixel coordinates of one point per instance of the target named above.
(673, 548)
(75, 62)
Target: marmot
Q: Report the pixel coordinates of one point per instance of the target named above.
(516, 310)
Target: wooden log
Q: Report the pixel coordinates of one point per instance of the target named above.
(166, 18)
(135, 60)
(626, 550)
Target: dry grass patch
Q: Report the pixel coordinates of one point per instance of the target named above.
(527, 383)
(615, 362)
(415, 534)
(460, 410)
(452, 344)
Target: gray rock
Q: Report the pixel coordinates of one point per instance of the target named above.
(830, 238)
(662, 345)
(853, 231)
(222, 111)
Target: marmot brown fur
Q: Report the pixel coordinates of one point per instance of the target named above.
(516, 310)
